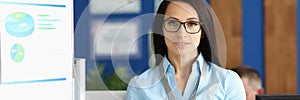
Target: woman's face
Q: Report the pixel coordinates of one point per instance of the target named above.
(178, 40)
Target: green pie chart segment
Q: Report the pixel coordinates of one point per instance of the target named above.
(17, 53)
(19, 24)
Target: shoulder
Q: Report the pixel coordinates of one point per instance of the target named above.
(140, 86)
(230, 82)
(222, 71)
(215, 69)
(148, 78)
(224, 74)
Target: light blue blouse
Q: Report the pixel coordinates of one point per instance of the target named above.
(217, 83)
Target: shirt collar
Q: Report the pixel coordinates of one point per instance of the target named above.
(199, 61)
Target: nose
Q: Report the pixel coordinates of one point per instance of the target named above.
(181, 33)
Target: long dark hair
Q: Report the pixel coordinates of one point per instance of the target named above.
(206, 47)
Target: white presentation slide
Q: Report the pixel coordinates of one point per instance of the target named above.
(36, 49)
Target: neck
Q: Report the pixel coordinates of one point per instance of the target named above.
(183, 67)
(182, 62)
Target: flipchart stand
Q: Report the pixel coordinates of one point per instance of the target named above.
(79, 79)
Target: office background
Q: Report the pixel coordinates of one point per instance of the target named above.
(262, 34)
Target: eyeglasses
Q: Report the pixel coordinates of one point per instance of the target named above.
(173, 25)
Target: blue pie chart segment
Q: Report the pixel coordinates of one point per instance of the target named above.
(17, 53)
(19, 24)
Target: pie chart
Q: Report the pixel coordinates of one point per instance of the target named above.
(19, 24)
(17, 53)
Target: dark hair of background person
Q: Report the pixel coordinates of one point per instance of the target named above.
(207, 44)
(246, 71)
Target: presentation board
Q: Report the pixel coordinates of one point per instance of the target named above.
(104, 7)
(36, 49)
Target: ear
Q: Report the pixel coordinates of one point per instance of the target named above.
(261, 91)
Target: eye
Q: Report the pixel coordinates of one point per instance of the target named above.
(172, 22)
(192, 23)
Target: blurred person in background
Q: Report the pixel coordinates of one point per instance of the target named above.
(251, 80)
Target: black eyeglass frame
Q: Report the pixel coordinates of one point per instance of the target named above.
(183, 26)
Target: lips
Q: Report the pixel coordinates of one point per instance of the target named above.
(181, 44)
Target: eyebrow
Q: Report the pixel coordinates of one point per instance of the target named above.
(192, 18)
(173, 18)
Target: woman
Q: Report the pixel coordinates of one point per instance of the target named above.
(187, 60)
